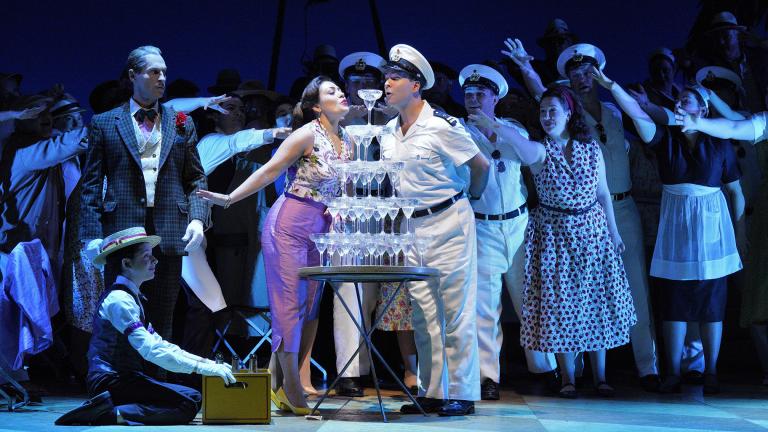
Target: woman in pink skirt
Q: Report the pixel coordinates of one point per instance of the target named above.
(309, 155)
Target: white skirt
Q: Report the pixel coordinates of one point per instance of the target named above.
(695, 240)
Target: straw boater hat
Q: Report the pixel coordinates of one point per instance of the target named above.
(123, 239)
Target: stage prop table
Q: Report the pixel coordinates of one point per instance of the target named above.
(334, 276)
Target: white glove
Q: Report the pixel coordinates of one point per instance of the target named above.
(193, 236)
(221, 370)
(92, 249)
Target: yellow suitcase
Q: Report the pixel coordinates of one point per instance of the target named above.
(245, 402)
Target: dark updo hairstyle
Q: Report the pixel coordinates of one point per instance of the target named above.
(577, 127)
(303, 113)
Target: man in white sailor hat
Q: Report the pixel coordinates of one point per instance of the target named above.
(359, 70)
(582, 64)
(501, 217)
(441, 162)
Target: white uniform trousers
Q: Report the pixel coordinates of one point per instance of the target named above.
(501, 254)
(444, 308)
(346, 336)
(642, 335)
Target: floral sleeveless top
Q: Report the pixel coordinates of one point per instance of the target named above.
(314, 176)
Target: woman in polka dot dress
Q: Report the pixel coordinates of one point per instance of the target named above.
(576, 296)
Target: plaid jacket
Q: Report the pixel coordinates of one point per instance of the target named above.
(113, 154)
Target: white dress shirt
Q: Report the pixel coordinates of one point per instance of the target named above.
(505, 191)
(434, 151)
(122, 311)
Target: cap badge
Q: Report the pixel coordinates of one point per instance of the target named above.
(360, 65)
(710, 76)
(577, 57)
(475, 76)
(396, 55)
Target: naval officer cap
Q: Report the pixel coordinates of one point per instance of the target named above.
(477, 75)
(360, 63)
(578, 54)
(708, 75)
(405, 58)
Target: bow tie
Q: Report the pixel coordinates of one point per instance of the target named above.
(143, 114)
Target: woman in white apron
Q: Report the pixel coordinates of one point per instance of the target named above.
(696, 245)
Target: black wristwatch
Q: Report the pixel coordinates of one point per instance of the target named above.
(472, 197)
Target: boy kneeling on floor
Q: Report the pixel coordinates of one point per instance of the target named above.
(121, 340)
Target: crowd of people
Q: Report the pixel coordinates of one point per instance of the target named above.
(574, 194)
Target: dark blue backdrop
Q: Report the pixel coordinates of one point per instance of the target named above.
(81, 43)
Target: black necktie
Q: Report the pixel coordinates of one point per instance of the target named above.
(143, 114)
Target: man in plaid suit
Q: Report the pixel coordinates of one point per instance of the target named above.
(148, 154)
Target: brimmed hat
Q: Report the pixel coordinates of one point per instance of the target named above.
(66, 105)
(181, 87)
(578, 54)
(700, 91)
(255, 88)
(123, 239)
(405, 58)
(556, 29)
(449, 72)
(226, 81)
(662, 52)
(716, 72)
(361, 62)
(723, 21)
(484, 76)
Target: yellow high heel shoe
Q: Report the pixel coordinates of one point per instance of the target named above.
(283, 398)
(275, 400)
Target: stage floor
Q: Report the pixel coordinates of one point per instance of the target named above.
(739, 408)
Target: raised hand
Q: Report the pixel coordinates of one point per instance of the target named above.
(600, 77)
(215, 102)
(281, 132)
(516, 52)
(639, 95)
(29, 113)
(685, 119)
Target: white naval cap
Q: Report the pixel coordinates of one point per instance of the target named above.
(485, 76)
(663, 52)
(359, 62)
(405, 58)
(709, 73)
(577, 54)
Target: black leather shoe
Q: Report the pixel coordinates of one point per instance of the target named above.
(650, 383)
(670, 384)
(489, 390)
(457, 407)
(429, 405)
(97, 410)
(349, 387)
(552, 380)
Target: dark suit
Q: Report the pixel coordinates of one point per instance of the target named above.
(114, 153)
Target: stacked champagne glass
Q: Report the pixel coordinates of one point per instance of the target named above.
(360, 234)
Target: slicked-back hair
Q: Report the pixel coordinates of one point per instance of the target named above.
(137, 58)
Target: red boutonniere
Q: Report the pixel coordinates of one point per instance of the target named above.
(181, 120)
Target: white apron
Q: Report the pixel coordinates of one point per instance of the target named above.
(695, 239)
